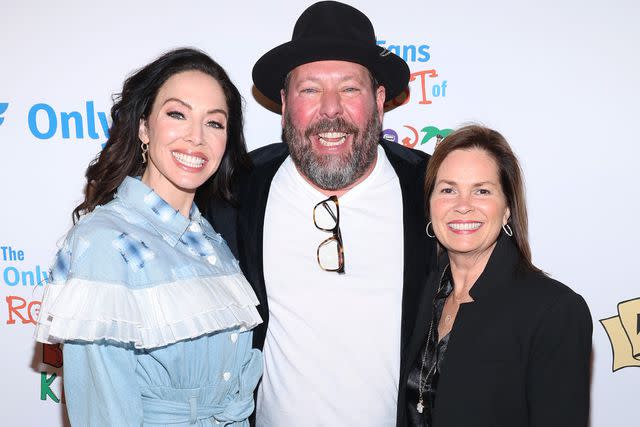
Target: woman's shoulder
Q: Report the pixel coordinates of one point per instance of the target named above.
(545, 294)
(100, 227)
(540, 283)
(103, 222)
(92, 249)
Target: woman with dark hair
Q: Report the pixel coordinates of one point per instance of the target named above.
(151, 306)
(500, 343)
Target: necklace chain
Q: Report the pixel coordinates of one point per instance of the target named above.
(420, 405)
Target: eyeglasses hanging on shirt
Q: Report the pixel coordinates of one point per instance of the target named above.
(326, 217)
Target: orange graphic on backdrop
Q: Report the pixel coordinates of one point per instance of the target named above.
(19, 309)
(405, 95)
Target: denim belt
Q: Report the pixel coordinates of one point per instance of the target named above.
(182, 405)
(159, 411)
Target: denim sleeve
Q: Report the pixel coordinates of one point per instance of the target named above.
(100, 385)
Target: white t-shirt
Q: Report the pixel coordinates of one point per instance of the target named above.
(332, 350)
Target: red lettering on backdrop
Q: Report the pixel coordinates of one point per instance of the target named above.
(16, 306)
(405, 95)
(423, 83)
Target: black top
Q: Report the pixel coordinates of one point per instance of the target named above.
(427, 368)
(518, 356)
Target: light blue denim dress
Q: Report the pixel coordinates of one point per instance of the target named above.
(155, 316)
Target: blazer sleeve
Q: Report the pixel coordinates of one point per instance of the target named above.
(100, 385)
(558, 375)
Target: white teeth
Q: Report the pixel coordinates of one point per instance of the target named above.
(331, 144)
(187, 160)
(465, 226)
(322, 137)
(332, 135)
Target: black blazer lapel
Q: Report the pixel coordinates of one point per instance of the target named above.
(419, 250)
(253, 202)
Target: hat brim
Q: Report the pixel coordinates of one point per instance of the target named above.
(270, 70)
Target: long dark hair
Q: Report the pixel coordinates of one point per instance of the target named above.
(121, 155)
(509, 172)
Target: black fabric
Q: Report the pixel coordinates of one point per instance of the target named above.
(425, 372)
(246, 225)
(330, 30)
(519, 355)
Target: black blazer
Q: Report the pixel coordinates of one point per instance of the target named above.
(519, 355)
(242, 228)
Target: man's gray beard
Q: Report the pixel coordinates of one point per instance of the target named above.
(333, 172)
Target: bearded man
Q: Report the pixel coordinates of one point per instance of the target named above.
(331, 228)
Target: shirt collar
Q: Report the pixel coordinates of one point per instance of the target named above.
(161, 216)
(446, 284)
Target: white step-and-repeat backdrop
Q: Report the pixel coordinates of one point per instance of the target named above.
(558, 78)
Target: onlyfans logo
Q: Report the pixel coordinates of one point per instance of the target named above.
(3, 108)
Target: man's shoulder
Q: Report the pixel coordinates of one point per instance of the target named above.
(410, 165)
(400, 153)
(269, 154)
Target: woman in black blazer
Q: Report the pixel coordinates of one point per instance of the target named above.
(497, 342)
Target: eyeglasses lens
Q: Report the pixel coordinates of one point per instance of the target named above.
(326, 215)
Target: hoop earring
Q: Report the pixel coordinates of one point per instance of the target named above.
(144, 147)
(508, 231)
(427, 230)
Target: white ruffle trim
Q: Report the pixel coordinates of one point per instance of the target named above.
(153, 317)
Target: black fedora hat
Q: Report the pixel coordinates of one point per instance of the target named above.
(330, 30)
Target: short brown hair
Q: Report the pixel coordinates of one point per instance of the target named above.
(509, 172)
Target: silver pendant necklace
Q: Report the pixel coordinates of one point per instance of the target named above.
(420, 405)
